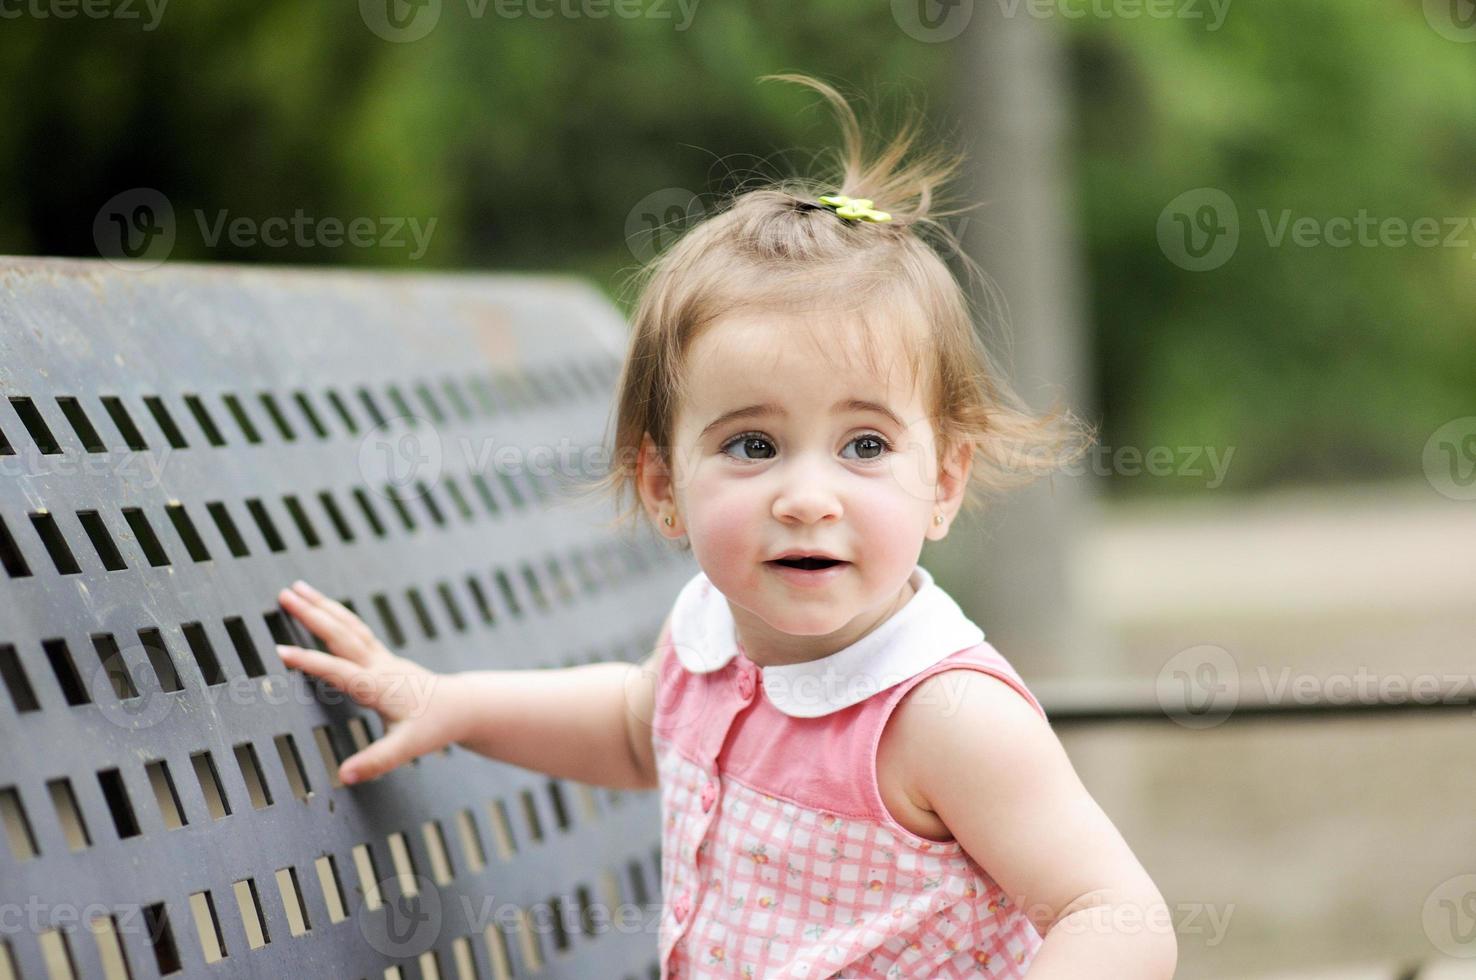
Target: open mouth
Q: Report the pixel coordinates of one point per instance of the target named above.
(807, 564)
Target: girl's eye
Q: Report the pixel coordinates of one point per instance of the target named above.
(876, 445)
(749, 440)
(873, 446)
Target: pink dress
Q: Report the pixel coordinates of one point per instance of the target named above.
(778, 856)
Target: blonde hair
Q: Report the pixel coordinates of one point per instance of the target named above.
(774, 248)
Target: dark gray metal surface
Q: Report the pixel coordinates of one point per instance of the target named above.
(130, 490)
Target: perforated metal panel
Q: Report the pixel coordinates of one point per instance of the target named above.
(177, 445)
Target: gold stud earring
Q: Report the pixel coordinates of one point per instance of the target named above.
(667, 518)
(937, 518)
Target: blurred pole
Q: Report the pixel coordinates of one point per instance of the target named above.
(1014, 570)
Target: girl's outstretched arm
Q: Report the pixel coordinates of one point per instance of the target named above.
(985, 761)
(589, 723)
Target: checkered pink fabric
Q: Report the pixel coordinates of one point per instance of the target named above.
(779, 858)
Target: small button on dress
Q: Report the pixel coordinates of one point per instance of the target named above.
(779, 857)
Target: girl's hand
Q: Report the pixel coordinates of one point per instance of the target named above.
(400, 690)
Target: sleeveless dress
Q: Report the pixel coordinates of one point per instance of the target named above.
(778, 856)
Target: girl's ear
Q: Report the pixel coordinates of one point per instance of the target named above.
(953, 479)
(657, 488)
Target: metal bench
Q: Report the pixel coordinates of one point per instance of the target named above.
(178, 444)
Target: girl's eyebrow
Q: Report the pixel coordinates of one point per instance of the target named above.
(769, 408)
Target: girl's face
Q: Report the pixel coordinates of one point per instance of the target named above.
(784, 451)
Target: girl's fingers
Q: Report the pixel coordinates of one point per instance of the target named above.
(397, 746)
(343, 674)
(337, 610)
(326, 627)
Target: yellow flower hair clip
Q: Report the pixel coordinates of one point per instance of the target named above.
(854, 208)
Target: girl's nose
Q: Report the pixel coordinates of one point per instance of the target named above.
(807, 493)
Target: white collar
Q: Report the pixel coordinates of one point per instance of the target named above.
(928, 627)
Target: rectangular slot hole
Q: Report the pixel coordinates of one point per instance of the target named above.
(435, 846)
(124, 423)
(228, 529)
(102, 540)
(56, 953)
(65, 670)
(110, 948)
(185, 528)
(256, 785)
(452, 610)
(422, 614)
(375, 524)
(429, 400)
(561, 812)
(116, 793)
(430, 965)
(300, 518)
(274, 411)
(114, 666)
(464, 958)
(387, 616)
(498, 953)
(264, 523)
(17, 825)
(403, 864)
(248, 903)
(207, 927)
(291, 893)
(431, 505)
(35, 424)
(402, 408)
(245, 648)
(165, 421)
(238, 412)
(216, 801)
(484, 609)
(81, 424)
(56, 543)
(13, 672)
(159, 658)
(359, 733)
(68, 814)
(344, 415)
(143, 532)
(369, 406)
(484, 491)
(308, 413)
(166, 796)
(10, 554)
(471, 841)
(556, 919)
(399, 505)
(204, 421)
(161, 937)
(6, 449)
(327, 870)
(458, 498)
(204, 653)
(530, 811)
(502, 833)
(457, 400)
(345, 533)
(528, 940)
(328, 752)
(368, 876)
(292, 765)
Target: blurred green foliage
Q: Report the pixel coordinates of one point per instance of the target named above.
(529, 141)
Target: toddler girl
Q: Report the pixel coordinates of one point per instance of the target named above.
(854, 782)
